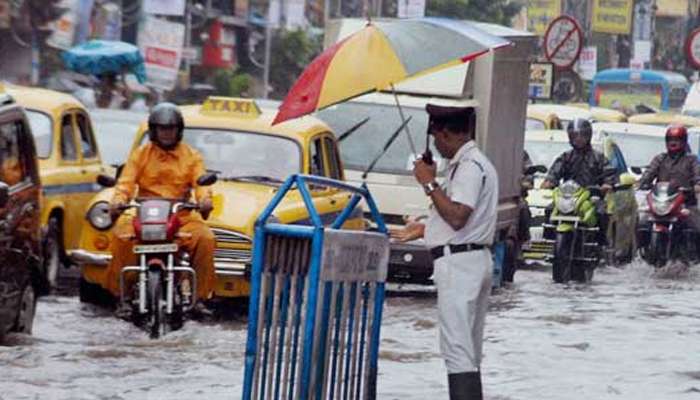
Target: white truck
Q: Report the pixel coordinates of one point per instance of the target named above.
(495, 83)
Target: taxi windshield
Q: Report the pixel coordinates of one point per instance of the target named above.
(41, 130)
(237, 154)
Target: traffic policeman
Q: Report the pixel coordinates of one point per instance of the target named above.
(459, 231)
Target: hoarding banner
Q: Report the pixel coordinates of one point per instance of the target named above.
(588, 63)
(164, 7)
(540, 13)
(161, 44)
(612, 16)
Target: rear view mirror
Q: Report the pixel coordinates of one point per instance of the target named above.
(535, 169)
(207, 179)
(4, 194)
(106, 181)
(636, 170)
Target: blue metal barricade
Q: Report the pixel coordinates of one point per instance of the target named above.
(316, 303)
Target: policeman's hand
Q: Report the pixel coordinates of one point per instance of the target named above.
(412, 231)
(424, 173)
(205, 208)
(546, 184)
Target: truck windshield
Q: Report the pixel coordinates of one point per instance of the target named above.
(359, 149)
(545, 152)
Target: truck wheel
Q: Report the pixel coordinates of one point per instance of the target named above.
(27, 309)
(52, 253)
(561, 265)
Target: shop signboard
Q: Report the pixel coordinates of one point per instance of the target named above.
(541, 79)
(588, 63)
(161, 44)
(612, 16)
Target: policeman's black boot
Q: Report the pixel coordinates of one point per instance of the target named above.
(465, 386)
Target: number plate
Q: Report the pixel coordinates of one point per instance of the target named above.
(155, 248)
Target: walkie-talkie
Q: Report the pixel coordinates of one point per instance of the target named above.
(427, 155)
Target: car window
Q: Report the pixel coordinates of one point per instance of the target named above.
(332, 156)
(532, 124)
(68, 148)
(87, 141)
(12, 170)
(318, 167)
(42, 131)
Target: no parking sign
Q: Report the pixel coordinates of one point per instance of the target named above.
(563, 41)
(692, 48)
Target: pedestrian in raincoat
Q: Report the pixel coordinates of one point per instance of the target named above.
(459, 231)
(165, 168)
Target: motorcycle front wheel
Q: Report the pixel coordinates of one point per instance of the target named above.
(156, 317)
(561, 265)
(657, 248)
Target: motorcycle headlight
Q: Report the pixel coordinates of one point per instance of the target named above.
(98, 216)
(566, 205)
(661, 208)
(154, 232)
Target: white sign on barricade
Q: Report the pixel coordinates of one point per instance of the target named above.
(161, 43)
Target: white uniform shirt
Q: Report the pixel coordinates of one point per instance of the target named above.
(472, 181)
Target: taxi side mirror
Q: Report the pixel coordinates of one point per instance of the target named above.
(207, 179)
(4, 194)
(106, 181)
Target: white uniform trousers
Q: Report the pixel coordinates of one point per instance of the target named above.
(463, 283)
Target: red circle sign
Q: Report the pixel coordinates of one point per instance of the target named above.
(692, 48)
(563, 41)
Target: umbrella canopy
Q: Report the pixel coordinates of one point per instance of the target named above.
(98, 57)
(381, 54)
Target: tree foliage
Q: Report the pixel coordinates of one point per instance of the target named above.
(291, 52)
(495, 11)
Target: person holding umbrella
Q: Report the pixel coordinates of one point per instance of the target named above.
(459, 231)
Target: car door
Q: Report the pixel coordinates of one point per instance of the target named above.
(325, 161)
(83, 157)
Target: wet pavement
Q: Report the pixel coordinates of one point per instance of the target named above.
(628, 335)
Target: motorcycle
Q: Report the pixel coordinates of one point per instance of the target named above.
(166, 287)
(573, 231)
(665, 233)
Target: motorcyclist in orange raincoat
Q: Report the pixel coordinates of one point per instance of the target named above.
(166, 168)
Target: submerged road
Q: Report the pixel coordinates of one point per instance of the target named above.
(628, 335)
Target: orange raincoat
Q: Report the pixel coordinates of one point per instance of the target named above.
(168, 174)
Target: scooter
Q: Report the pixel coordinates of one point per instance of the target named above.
(167, 285)
(573, 232)
(666, 234)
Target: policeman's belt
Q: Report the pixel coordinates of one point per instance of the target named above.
(439, 251)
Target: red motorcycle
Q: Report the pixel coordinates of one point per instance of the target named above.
(666, 234)
(167, 285)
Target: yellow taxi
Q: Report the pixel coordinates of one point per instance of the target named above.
(69, 162)
(601, 114)
(664, 119)
(252, 159)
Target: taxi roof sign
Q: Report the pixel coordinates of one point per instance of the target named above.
(219, 106)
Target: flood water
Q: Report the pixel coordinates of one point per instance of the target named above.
(628, 335)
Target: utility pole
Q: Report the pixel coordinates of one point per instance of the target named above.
(188, 37)
(268, 37)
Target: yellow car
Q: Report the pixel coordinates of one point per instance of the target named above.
(664, 119)
(601, 114)
(252, 159)
(69, 162)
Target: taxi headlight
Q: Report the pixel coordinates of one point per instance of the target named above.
(99, 217)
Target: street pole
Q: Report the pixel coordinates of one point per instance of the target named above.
(268, 37)
(188, 38)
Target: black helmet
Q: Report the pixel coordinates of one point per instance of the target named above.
(165, 114)
(579, 126)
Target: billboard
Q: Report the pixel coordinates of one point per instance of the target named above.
(612, 16)
(541, 80)
(161, 44)
(540, 13)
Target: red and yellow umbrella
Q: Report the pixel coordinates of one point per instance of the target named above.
(380, 55)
